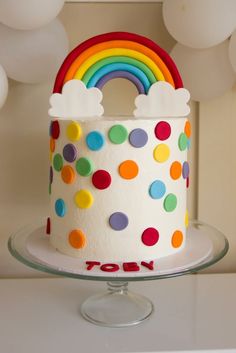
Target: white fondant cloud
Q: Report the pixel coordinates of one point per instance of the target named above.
(76, 101)
(162, 100)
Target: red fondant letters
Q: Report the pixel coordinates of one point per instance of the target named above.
(130, 266)
(91, 264)
(110, 267)
(149, 265)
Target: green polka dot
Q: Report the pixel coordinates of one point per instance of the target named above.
(57, 162)
(118, 134)
(170, 202)
(183, 141)
(84, 166)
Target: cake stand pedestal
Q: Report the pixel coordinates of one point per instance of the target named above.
(118, 307)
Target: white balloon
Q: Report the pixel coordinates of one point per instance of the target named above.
(29, 14)
(206, 73)
(232, 50)
(200, 23)
(33, 56)
(3, 86)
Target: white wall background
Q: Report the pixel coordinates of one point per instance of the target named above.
(24, 136)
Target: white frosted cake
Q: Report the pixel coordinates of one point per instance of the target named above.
(118, 185)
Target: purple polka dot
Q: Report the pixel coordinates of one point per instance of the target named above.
(118, 221)
(138, 138)
(185, 170)
(51, 175)
(70, 152)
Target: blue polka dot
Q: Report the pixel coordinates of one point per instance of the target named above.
(60, 208)
(95, 140)
(188, 144)
(157, 189)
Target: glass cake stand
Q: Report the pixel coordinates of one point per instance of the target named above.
(118, 307)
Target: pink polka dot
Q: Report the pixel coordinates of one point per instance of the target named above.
(150, 236)
(162, 130)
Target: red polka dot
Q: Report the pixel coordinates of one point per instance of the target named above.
(150, 236)
(55, 129)
(187, 182)
(162, 130)
(101, 179)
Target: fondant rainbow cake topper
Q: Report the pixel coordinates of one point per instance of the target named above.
(118, 55)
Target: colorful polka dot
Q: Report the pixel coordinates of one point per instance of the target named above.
(150, 236)
(118, 134)
(55, 129)
(70, 152)
(175, 170)
(52, 144)
(128, 169)
(83, 199)
(187, 129)
(185, 171)
(157, 189)
(177, 239)
(51, 175)
(183, 141)
(138, 138)
(74, 131)
(162, 130)
(57, 162)
(101, 179)
(170, 202)
(186, 219)
(77, 239)
(68, 174)
(95, 140)
(60, 207)
(84, 166)
(161, 153)
(118, 221)
(187, 182)
(188, 144)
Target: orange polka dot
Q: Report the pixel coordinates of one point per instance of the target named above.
(77, 239)
(52, 144)
(177, 239)
(187, 129)
(128, 169)
(68, 174)
(175, 170)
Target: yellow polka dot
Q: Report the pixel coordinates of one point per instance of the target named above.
(186, 219)
(83, 199)
(77, 239)
(74, 131)
(161, 153)
(177, 239)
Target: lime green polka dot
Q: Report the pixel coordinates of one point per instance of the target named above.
(74, 131)
(183, 141)
(161, 153)
(84, 166)
(58, 162)
(118, 134)
(170, 202)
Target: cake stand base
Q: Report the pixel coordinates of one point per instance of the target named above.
(117, 307)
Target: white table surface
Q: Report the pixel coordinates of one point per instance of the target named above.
(195, 312)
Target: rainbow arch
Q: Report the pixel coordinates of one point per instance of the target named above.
(118, 54)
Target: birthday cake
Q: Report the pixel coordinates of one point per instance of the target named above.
(118, 185)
